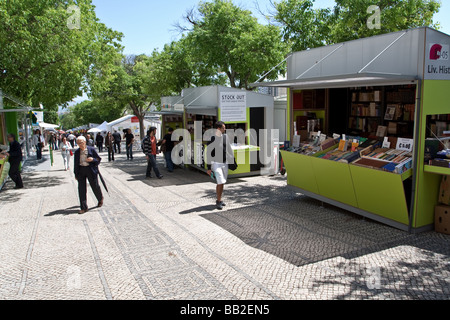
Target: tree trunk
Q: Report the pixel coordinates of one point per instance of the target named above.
(140, 114)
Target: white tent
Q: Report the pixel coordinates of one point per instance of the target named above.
(94, 130)
(131, 122)
(104, 127)
(48, 125)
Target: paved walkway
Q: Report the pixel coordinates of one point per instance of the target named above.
(163, 239)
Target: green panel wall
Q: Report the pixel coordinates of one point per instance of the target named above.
(381, 193)
(435, 100)
(300, 172)
(334, 181)
(12, 123)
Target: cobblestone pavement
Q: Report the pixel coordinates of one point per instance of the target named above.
(163, 239)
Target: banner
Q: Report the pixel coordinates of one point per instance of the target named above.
(233, 106)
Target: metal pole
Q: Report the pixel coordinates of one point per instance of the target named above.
(417, 126)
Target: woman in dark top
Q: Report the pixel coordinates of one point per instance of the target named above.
(15, 158)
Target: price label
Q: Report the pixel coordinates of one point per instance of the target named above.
(405, 144)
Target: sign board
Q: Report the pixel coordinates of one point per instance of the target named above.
(233, 106)
(135, 120)
(178, 107)
(39, 116)
(405, 144)
(437, 57)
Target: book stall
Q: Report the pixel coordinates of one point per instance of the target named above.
(240, 110)
(369, 126)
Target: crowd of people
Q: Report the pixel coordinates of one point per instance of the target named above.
(85, 148)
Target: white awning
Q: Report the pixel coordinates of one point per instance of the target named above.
(342, 81)
(48, 125)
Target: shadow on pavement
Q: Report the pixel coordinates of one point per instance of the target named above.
(301, 231)
(137, 168)
(64, 212)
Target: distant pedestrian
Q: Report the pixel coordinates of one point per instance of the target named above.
(71, 138)
(38, 142)
(129, 140)
(89, 141)
(151, 150)
(99, 141)
(219, 154)
(66, 152)
(109, 143)
(15, 159)
(117, 141)
(86, 162)
(167, 146)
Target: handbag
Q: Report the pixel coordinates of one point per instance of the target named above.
(233, 166)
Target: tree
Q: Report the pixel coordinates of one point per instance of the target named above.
(350, 18)
(42, 59)
(305, 27)
(232, 41)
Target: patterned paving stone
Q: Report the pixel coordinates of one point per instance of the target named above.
(164, 239)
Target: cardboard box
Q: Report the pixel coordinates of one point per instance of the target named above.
(442, 219)
(444, 191)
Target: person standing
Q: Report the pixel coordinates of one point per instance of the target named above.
(151, 150)
(219, 155)
(66, 149)
(109, 143)
(129, 140)
(117, 141)
(86, 162)
(15, 159)
(71, 138)
(99, 141)
(167, 146)
(38, 141)
(89, 141)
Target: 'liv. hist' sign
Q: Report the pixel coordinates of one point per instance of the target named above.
(438, 62)
(233, 106)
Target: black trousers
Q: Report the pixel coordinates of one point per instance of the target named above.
(117, 146)
(100, 146)
(110, 154)
(14, 173)
(86, 173)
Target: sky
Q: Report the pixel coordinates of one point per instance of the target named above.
(149, 24)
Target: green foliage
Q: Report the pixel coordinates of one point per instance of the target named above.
(91, 111)
(304, 27)
(230, 39)
(42, 60)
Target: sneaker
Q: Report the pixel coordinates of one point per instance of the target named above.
(219, 205)
(160, 177)
(223, 203)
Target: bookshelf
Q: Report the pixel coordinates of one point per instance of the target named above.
(366, 110)
(392, 107)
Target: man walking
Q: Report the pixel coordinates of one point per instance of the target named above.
(117, 141)
(99, 141)
(38, 141)
(219, 155)
(150, 150)
(71, 138)
(167, 145)
(86, 162)
(89, 141)
(129, 140)
(15, 158)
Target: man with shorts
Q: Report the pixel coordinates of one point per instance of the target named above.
(219, 155)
